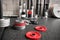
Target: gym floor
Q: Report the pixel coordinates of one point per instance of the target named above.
(52, 24)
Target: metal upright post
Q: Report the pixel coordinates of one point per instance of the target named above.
(46, 5)
(44, 8)
(36, 6)
(1, 14)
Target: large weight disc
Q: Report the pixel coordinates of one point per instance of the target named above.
(54, 10)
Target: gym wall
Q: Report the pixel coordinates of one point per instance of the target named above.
(10, 7)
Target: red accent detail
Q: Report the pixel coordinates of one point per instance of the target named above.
(19, 24)
(41, 28)
(33, 35)
(29, 12)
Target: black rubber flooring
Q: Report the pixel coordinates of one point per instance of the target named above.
(53, 32)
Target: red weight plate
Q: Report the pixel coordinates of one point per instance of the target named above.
(33, 35)
(41, 28)
(29, 12)
(20, 24)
